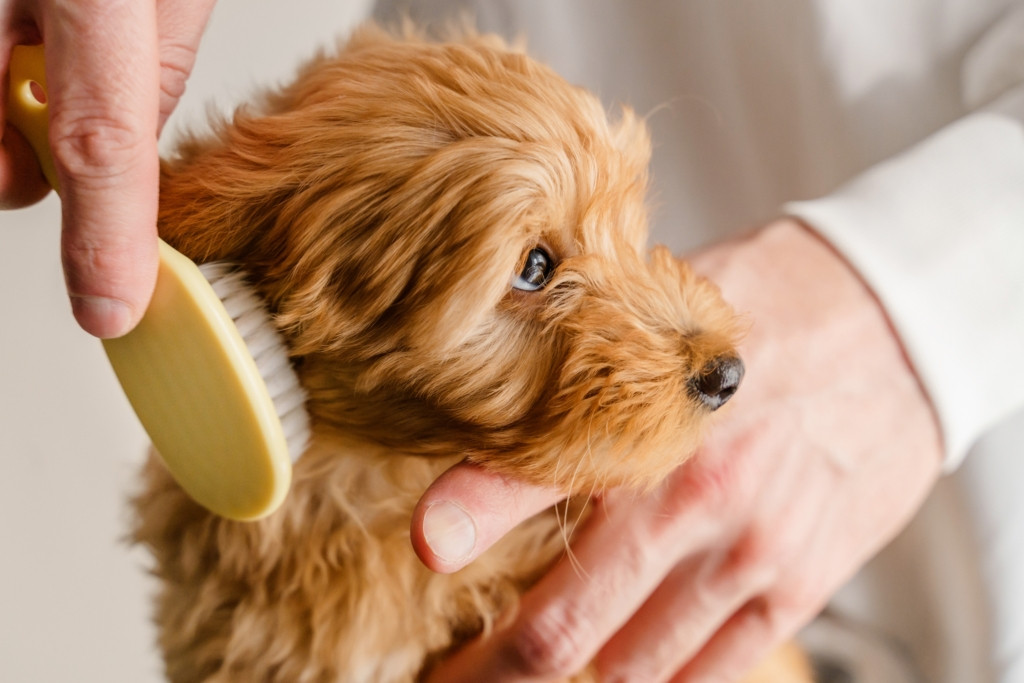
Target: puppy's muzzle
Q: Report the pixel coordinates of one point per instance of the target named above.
(717, 382)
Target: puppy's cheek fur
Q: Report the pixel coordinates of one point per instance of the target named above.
(626, 337)
(599, 428)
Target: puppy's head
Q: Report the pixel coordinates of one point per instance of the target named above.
(452, 240)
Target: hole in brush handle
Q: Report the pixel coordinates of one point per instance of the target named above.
(36, 92)
(27, 99)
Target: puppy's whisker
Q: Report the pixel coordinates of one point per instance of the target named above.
(561, 515)
(583, 508)
(570, 555)
(563, 522)
(589, 452)
(567, 529)
(577, 566)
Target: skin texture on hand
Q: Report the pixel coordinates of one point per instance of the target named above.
(115, 71)
(823, 456)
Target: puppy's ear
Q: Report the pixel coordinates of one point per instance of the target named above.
(418, 265)
(219, 194)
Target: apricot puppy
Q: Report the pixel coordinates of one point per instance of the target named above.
(452, 241)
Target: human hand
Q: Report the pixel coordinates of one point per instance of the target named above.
(115, 71)
(824, 455)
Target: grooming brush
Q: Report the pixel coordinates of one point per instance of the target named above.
(205, 370)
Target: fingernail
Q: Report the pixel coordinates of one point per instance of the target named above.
(102, 317)
(449, 531)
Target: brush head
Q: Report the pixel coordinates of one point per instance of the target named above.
(210, 379)
(267, 348)
(205, 370)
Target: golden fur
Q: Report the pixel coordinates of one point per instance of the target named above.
(382, 203)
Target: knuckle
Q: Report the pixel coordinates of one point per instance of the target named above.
(91, 257)
(94, 145)
(176, 60)
(760, 614)
(768, 624)
(799, 598)
(755, 557)
(716, 484)
(550, 644)
(101, 269)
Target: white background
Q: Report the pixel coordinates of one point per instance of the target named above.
(74, 596)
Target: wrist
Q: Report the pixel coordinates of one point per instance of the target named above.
(793, 283)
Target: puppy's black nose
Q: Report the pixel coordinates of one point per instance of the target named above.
(717, 382)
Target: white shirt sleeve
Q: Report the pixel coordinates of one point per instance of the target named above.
(938, 233)
(935, 230)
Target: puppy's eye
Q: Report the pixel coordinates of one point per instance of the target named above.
(536, 272)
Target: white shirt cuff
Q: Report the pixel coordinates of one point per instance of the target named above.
(938, 233)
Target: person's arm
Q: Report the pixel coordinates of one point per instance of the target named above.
(115, 72)
(938, 234)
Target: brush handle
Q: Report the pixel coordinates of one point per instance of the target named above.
(26, 104)
(185, 368)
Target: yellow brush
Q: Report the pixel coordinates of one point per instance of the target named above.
(205, 370)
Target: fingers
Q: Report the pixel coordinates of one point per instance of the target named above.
(467, 510)
(103, 72)
(115, 73)
(736, 648)
(181, 23)
(692, 603)
(19, 188)
(616, 562)
(725, 607)
(651, 579)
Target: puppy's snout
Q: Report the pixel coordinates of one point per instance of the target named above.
(717, 382)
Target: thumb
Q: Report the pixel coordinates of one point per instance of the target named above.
(103, 69)
(467, 510)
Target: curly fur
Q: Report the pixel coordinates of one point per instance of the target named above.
(382, 203)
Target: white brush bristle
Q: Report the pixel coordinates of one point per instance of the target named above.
(267, 347)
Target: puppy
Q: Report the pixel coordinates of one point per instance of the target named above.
(452, 241)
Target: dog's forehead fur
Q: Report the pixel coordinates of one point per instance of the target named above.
(474, 154)
(383, 203)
